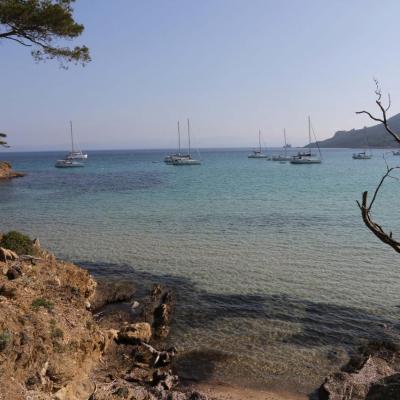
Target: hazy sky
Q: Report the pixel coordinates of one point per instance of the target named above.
(232, 66)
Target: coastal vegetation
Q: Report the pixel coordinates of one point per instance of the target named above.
(18, 242)
(41, 25)
(3, 143)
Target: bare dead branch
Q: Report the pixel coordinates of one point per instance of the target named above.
(374, 227)
(370, 115)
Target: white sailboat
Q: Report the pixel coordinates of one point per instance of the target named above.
(169, 158)
(187, 159)
(75, 154)
(307, 157)
(258, 153)
(283, 157)
(363, 155)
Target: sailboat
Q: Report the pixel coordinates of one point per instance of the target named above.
(187, 159)
(258, 153)
(363, 155)
(74, 158)
(307, 157)
(169, 158)
(75, 154)
(283, 157)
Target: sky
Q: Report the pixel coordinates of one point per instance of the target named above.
(231, 66)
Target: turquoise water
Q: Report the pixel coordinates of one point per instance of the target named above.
(277, 276)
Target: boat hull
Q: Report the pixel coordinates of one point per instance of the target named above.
(305, 161)
(185, 161)
(257, 156)
(68, 164)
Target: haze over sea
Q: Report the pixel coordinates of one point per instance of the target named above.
(277, 277)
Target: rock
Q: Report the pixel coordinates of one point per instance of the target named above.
(135, 305)
(79, 390)
(6, 171)
(387, 388)
(112, 292)
(176, 396)
(197, 396)
(375, 364)
(164, 380)
(14, 272)
(6, 254)
(135, 333)
(138, 374)
(122, 392)
(109, 336)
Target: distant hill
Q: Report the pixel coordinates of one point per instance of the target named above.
(375, 135)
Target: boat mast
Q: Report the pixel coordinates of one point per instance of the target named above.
(188, 127)
(179, 140)
(72, 137)
(309, 131)
(284, 137)
(259, 139)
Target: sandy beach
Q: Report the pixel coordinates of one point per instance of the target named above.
(227, 392)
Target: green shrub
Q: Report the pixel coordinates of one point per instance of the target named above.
(40, 302)
(5, 338)
(56, 333)
(18, 242)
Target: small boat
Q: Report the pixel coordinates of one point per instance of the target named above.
(68, 163)
(282, 157)
(185, 159)
(396, 152)
(75, 154)
(169, 158)
(361, 156)
(258, 153)
(307, 157)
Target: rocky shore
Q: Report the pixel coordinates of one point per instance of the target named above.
(66, 336)
(57, 340)
(6, 171)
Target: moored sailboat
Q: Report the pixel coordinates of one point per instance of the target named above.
(74, 158)
(257, 153)
(75, 154)
(169, 158)
(307, 157)
(187, 159)
(283, 157)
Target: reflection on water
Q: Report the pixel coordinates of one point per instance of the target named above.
(275, 273)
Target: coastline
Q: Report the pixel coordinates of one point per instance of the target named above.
(222, 391)
(85, 343)
(6, 171)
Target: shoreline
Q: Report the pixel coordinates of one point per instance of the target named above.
(222, 391)
(65, 335)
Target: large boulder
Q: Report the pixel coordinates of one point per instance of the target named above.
(135, 333)
(7, 254)
(367, 375)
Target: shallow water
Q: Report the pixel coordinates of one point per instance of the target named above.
(277, 277)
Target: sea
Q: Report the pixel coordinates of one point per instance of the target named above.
(277, 279)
